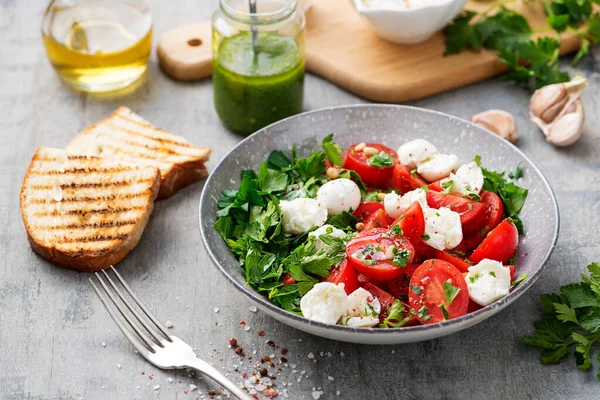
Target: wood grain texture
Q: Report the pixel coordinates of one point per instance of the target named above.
(344, 49)
(52, 327)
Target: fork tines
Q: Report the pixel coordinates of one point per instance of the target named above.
(148, 335)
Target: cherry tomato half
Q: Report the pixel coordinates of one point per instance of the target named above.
(500, 245)
(459, 261)
(468, 210)
(404, 180)
(386, 300)
(366, 209)
(363, 280)
(494, 212)
(399, 286)
(438, 292)
(369, 255)
(436, 186)
(345, 274)
(379, 219)
(287, 279)
(412, 223)
(358, 161)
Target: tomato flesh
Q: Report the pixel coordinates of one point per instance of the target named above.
(345, 274)
(399, 286)
(368, 255)
(363, 280)
(404, 181)
(379, 219)
(494, 212)
(412, 223)
(386, 300)
(366, 209)
(500, 245)
(468, 210)
(427, 294)
(371, 175)
(460, 262)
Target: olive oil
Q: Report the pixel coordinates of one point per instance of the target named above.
(98, 45)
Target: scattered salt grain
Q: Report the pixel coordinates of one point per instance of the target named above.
(246, 328)
(119, 366)
(393, 351)
(310, 355)
(170, 380)
(103, 344)
(253, 309)
(169, 324)
(330, 378)
(216, 309)
(316, 394)
(193, 387)
(156, 387)
(337, 393)
(342, 354)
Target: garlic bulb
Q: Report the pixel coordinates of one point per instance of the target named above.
(498, 121)
(557, 110)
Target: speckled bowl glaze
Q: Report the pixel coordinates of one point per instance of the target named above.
(392, 125)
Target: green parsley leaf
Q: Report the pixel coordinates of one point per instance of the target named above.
(278, 160)
(381, 160)
(344, 221)
(425, 188)
(473, 278)
(395, 317)
(332, 150)
(444, 311)
(396, 230)
(565, 313)
(425, 237)
(447, 186)
(450, 291)
(415, 289)
(401, 257)
(271, 180)
(516, 173)
(423, 313)
(582, 351)
(461, 34)
(413, 172)
(477, 160)
(522, 278)
(492, 273)
(504, 29)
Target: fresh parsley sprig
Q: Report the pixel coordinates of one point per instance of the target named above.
(570, 321)
(505, 30)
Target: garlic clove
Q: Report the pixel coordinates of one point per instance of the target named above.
(567, 128)
(499, 122)
(548, 101)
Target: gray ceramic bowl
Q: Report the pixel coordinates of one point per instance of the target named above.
(392, 125)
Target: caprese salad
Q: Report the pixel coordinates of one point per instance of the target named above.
(374, 237)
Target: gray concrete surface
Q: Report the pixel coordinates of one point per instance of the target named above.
(56, 341)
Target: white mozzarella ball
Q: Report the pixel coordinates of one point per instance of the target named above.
(326, 230)
(299, 215)
(360, 322)
(395, 205)
(415, 152)
(361, 303)
(443, 228)
(326, 302)
(339, 195)
(438, 166)
(488, 281)
(468, 179)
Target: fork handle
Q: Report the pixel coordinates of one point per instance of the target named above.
(217, 376)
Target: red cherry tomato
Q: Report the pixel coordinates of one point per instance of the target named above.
(363, 280)
(512, 272)
(430, 287)
(366, 209)
(358, 161)
(459, 261)
(345, 274)
(386, 300)
(412, 223)
(369, 255)
(399, 286)
(287, 279)
(473, 307)
(468, 210)
(436, 186)
(379, 219)
(423, 251)
(494, 212)
(500, 245)
(404, 180)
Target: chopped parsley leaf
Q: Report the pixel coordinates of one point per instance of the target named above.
(474, 277)
(401, 257)
(425, 237)
(423, 313)
(396, 230)
(516, 173)
(425, 188)
(370, 262)
(413, 171)
(492, 273)
(470, 206)
(447, 186)
(522, 278)
(444, 312)
(415, 289)
(381, 160)
(395, 317)
(450, 291)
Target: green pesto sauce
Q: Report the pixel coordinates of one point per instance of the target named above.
(253, 90)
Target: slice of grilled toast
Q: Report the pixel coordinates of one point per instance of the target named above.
(126, 136)
(85, 213)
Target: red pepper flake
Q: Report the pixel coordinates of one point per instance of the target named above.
(250, 357)
(271, 364)
(254, 396)
(263, 372)
(185, 391)
(233, 341)
(151, 377)
(242, 322)
(245, 375)
(265, 359)
(179, 381)
(284, 351)
(270, 393)
(240, 351)
(261, 333)
(271, 343)
(143, 373)
(283, 360)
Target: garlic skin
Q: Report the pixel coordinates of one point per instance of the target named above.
(500, 122)
(558, 112)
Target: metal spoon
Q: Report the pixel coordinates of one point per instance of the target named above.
(253, 27)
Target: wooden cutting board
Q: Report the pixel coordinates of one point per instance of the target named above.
(342, 48)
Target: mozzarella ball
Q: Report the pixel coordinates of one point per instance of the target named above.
(468, 179)
(326, 302)
(326, 230)
(415, 152)
(395, 205)
(360, 322)
(438, 166)
(443, 228)
(339, 195)
(488, 281)
(361, 303)
(299, 215)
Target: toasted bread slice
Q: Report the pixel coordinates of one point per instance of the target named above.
(126, 136)
(85, 213)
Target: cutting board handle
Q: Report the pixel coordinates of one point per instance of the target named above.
(185, 53)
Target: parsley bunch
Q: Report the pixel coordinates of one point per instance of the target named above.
(570, 319)
(508, 32)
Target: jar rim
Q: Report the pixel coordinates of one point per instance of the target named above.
(259, 18)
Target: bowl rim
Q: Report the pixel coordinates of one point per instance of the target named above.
(483, 312)
(363, 9)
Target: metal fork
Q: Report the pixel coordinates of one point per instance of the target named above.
(151, 339)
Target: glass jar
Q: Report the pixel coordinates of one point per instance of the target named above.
(98, 45)
(258, 63)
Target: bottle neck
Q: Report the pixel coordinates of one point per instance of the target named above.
(267, 11)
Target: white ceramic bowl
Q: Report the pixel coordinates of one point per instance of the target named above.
(411, 25)
(392, 125)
